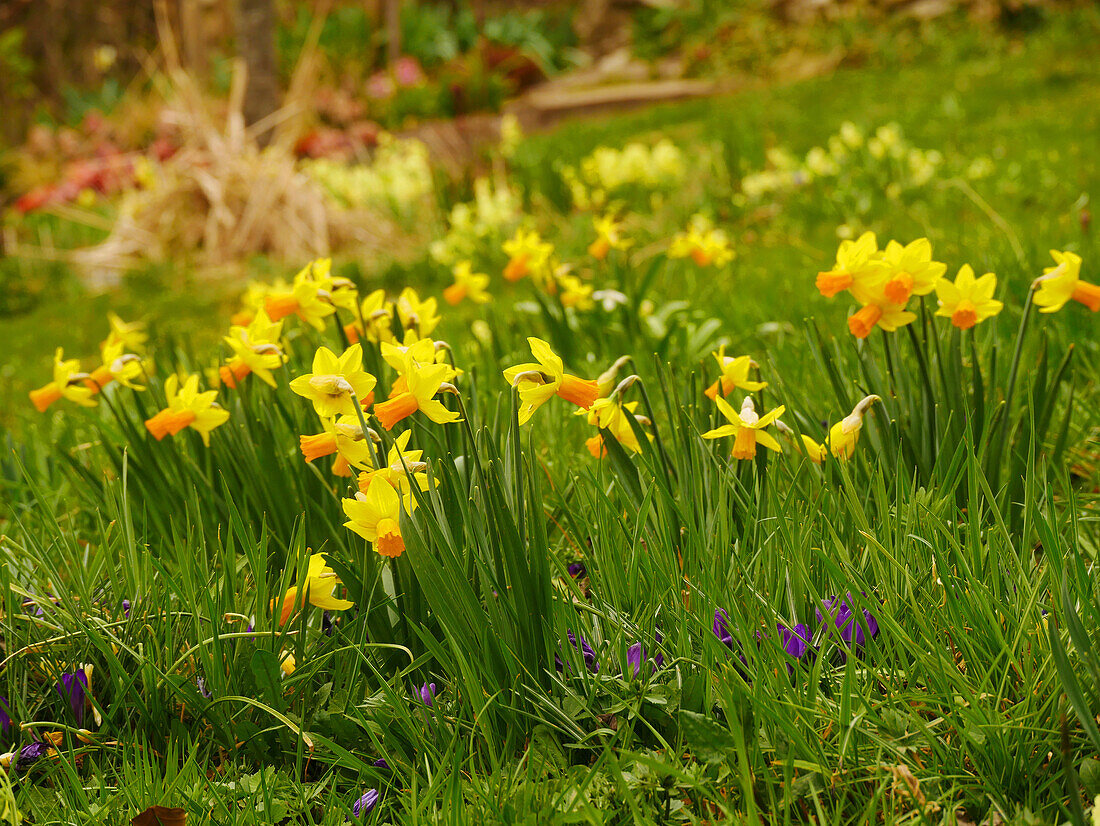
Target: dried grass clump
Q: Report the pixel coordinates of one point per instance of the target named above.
(222, 198)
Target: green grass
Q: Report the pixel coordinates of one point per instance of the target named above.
(966, 522)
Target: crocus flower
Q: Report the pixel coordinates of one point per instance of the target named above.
(76, 688)
(734, 374)
(468, 284)
(31, 754)
(319, 589)
(427, 694)
(1061, 284)
(376, 516)
(68, 383)
(722, 629)
(854, 632)
(636, 655)
(381, 763)
(969, 300)
(334, 381)
(746, 427)
(796, 641)
(364, 804)
(587, 653)
(577, 570)
(187, 407)
(541, 380)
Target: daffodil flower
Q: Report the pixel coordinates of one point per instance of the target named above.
(68, 383)
(334, 381)
(843, 435)
(376, 318)
(527, 254)
(545, 378)
(746, 427)
(879, 313)
(857, 262)
(344, 436)
(909, 270)
(131, 334)
(614, 417)
(318, 589)
(969, 300)
(376, 516)
(572, 292)
(400, 462)
(187, 407)
(468, 284)
(256, 349)
(416, 315)
(1061, 284)
(608, 237)
(704, 244)
(422, 383)
(734, 374)
(118, 365)
(309, 299)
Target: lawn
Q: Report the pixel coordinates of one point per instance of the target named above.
(645, 613)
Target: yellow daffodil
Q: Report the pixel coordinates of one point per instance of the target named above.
(843, 435)
(376, 314)
(287, 664)
(343, 293)
(527, 254)
(118, 365)
(398, 459)
(746, 427)
(319, 589)
(68, 383)
(908, 270)
(376, 516)
(422, 383)
(344, 436)
(967, 301)
(468, 284)
(614, 417)
(734, 374)
(878, 311)
(1061, 284)
(130, 334)
(256, 349)
(704, 244)
(545, 378)
(334, 380)
(857, 262)
(309, 298)
(608, 237)
(415, 315)
(572, 292)
(187, 407)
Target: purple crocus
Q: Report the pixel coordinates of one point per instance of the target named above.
(577, 570)
(200, 683)
(854, 632)
(427, 694)
(636, 655)
(796, 641)
(74, 688)
(126, 608)
(381, 763)
(364, 804)
(29, 755)
(722, 628)
(586, 651)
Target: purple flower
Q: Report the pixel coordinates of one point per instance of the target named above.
(29, 755)
(722, 628)
(200, 683)
(636, 655)
(586, 652)
(5, 716)
(74, 687)
(427, 694)
(577, 570)
(796, 641)
(854, 632)
(327, 626)
(126, 608)
(381, 763)
(364, 804)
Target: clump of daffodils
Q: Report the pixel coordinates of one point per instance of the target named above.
(702, 243)
(397, 181)
(480, 224)
(607, 171)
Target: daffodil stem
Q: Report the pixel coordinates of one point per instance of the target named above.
(1010, 390)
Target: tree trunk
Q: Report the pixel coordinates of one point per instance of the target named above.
(256, 46)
